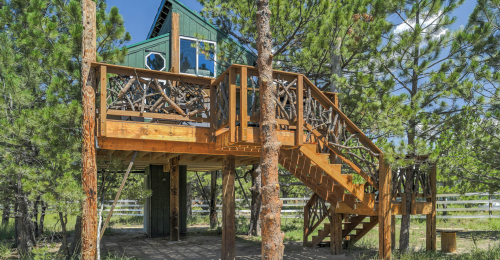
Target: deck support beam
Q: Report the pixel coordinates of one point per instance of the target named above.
(431, 218)
(213, 199)
(228, 208)
(89, 164)
(385, 213)
(174, 199)
(335, 232)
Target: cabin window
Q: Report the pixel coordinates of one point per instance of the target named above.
(155, 61)
(197, 57)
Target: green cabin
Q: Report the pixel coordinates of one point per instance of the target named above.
(203, 49)
(193, 46)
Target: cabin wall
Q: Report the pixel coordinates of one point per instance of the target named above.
(157, 207)
(136, 56)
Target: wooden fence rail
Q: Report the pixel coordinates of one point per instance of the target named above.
(293, 207)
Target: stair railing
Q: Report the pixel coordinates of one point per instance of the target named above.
(301, 108)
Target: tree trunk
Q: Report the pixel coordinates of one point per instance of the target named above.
(404, 236)
(189, 201)
(6, 212)
(42, 218)
(75, 246)
(35, 215)
(17, 220)
(255, 207)
(213, 199)
(24, 227)
(272, 237)
(64, 245)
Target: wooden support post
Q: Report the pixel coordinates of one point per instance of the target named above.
(335, 232)
(213, 117)
(431, 218)
(174, 199)
(300, 111)
(243, 105)
(306, 225)
(232, 105)
(385, 214)
(103, 103)
(213, 199)
(175, 60)
(228, 208)
(89, 166)
(117, 195)
(393, 232)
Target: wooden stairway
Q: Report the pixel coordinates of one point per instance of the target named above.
(354, 223)
(325, 179)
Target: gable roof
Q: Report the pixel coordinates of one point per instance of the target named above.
(163, 12)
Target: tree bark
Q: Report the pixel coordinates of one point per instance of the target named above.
(24, 227)
(6, 212)
(64, 245)
(42, 218)
(404, 236)
(89, 164)
(213, 199)
(272, 237)
(35, 215)
(75, 246)
(255, 207)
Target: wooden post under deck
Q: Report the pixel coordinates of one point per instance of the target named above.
(385, 214)
(228, 208)
(213, 199)
(393, 232)
(431, 218)
(174, 199)
(335, 232)
(89, 164)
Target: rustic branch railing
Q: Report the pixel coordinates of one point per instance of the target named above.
(134, 92)
(302, 108)
(315, 211)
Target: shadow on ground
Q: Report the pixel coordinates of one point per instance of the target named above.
(198, 245)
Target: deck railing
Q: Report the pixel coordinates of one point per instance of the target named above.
(302, 109)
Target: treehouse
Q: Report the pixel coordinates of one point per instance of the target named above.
(174, 106)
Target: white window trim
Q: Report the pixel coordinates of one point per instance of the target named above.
(153, 52)
(197, 54)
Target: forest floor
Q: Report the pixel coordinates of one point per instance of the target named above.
(126, 240)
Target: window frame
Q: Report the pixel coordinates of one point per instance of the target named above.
(154, 52)
(197, 55)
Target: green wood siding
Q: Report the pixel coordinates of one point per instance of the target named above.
(183, 198)
(137, 52)
(159, 202)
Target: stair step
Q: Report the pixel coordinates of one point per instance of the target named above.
(324, 156)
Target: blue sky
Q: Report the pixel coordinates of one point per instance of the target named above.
(139, 15)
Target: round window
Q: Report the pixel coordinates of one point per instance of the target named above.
(155, 61)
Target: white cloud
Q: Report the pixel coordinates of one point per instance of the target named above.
(429, 24)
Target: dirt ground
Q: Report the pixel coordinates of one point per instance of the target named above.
(132, 242)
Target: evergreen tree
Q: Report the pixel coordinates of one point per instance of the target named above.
(421, 58)
(472, 146)
(41, 100)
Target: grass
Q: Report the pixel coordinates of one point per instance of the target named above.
(53, 226)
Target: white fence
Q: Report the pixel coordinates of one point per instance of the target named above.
(450, 206)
